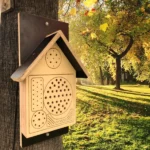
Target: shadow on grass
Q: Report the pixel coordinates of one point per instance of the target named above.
(140, 128)
(129, 97)
(142, 109)
(122, 91)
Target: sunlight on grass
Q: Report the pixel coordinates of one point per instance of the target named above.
(108, 119)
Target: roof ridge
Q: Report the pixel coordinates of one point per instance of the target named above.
(21, 73)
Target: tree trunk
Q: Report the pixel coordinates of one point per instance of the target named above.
(9, 108)
(112, 82)
(118, 72)
(128, 77)
(101, 76)
(124, 74)
(108, 79)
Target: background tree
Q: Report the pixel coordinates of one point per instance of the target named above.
(9, 108)
(142, 69)
(111, 27)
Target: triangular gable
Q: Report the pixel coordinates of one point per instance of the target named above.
(58, 37)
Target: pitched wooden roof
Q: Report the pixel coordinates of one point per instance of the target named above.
(58, 37)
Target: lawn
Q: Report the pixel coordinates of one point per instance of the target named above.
(108, 119)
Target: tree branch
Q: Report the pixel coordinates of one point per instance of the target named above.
(67, 8)
(109, 49)
(112, 53)
(128, 47)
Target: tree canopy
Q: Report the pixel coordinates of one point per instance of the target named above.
(110, 31)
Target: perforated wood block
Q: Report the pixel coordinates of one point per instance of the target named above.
(37, 85)
(53, 58)
(51, 103)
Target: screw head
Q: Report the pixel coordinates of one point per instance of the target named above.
(47, 23)
(47, 134)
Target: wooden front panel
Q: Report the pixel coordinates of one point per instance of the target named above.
(54, 103)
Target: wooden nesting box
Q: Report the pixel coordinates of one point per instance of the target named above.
(48, 86)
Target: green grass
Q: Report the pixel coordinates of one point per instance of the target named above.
(108, 119)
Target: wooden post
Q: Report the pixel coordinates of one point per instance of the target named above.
(9, 107)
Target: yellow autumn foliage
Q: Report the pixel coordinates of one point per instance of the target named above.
(89, 3)
(103, 27)
(108, 16)
(73, 11)
(93, 35)
(142, 9)
(146, 46)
